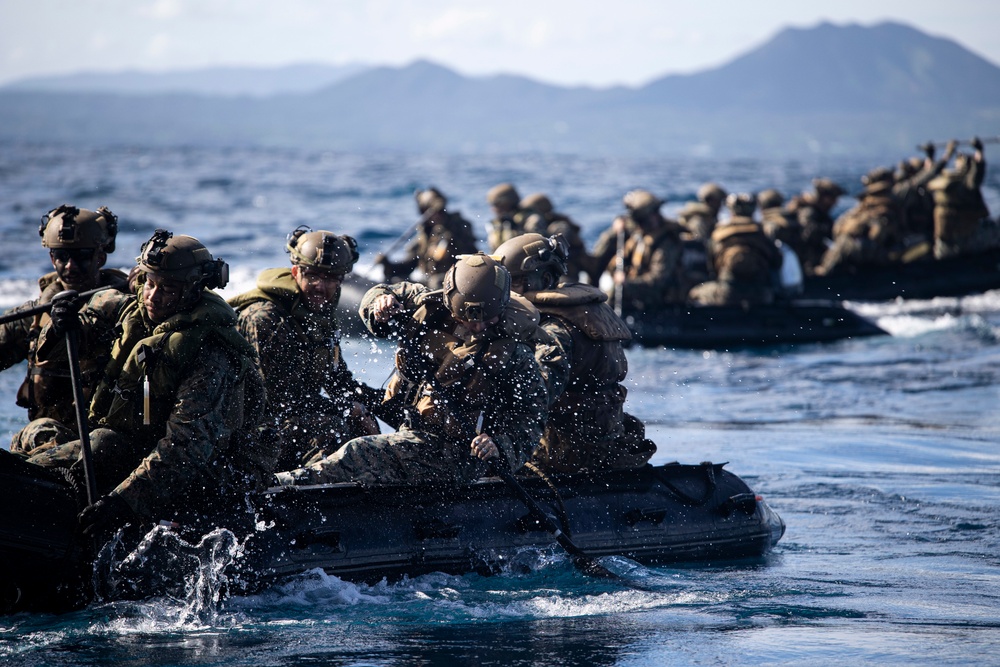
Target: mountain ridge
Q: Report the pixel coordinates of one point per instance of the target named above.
(828, 89)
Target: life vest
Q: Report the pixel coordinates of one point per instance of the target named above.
(597, 333)
(442, 379)
(47, 390)
(317, 333)
(743, 253)
(162, 354)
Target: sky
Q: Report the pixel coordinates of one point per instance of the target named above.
(567, 42)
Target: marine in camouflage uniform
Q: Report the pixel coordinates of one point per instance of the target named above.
(652, 274)
(290, 319)
(745, 259)
(961, 218)
(916, 201)
(813, 212)
(79, 242)
(871, 233)
(509, 218)
(579, 261)
(700, 217)
(777, 223)
(588, 429)
(441, 236)
(177, 412)
(466, 376)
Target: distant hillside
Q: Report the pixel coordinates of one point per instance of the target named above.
(829, 89)
(212, 81)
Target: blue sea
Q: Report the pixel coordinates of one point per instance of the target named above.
(881, 454)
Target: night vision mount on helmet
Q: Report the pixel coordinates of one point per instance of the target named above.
(477, 288)
(182, 258)
(72, 227)
(533, 253)
(322, 250)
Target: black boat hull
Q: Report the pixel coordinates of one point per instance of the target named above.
(923, 279)
(727, 327)
(663, 514)
(672, 513)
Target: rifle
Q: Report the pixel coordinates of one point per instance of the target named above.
(46, 307)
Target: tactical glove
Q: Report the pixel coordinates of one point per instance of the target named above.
(65, 315)
(109, 513)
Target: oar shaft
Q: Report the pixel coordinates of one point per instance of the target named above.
(83, 430)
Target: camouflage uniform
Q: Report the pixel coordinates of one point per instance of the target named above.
(916, 201)
(961, 218)
(744, 260)
(301, 360)
(698, 219)
(47, 391)
(652, 262)
(507, 226)
(871, 233)
(201, 442)
(587, 429)
(438, 241)
(444, 383)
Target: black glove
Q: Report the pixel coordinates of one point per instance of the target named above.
(929, 150)
(977, 143)
(109, 513)
(65, 315)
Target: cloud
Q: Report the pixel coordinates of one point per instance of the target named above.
(163, 10)
(159, 46)
(455, 22)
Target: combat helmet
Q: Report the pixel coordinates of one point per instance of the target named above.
(72, 227)
(184, 259)
(538, 202)
(430, 201)
(503, 196)
(322, 250)
(770, 198)
(642, 202)
(711, 193)
(536, 261)
(742, 204)
(476, 288)
(826, 186)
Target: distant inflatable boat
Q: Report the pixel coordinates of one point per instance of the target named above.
(921, 279)
(728, 327)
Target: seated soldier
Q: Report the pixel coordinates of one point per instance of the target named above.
(699, 218)
(466, 376)
(441, 236)
(290, 319)
(777, 223)
(509, 218)
(642, 250)
(962, 224)
(79, 242)
(587, 429)
(813, 210)
(745, 259)
(558, 223)
(177, 410)
(871, 232)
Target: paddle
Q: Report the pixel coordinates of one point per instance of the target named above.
(581, 560)
(45, 307)
(402, 238)
(619, 268)
(73, 352)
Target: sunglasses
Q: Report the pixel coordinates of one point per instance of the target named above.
(80, 255)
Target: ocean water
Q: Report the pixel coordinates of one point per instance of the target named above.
(881, 454)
